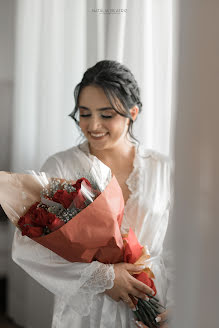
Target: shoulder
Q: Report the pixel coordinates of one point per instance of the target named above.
(160, 168)
(65, 154)
(57, 163)
(155, 157)
(156, 164)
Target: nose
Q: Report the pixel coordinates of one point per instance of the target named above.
(94, 123)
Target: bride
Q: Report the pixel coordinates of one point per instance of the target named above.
(107, 103)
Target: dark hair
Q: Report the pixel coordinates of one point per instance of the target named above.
(117, 82)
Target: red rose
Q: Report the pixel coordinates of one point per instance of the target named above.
(40, 217)
(33, 208)
(143, 277)
(29, 216)
(55, 223)
(26, 219)
(78, 199)
(78, 183)
(63, 197)
(32, 232)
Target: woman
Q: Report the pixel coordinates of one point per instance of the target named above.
(107, 102)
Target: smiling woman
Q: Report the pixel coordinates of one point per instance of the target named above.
(91, 295)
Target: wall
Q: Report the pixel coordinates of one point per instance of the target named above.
(197, 161)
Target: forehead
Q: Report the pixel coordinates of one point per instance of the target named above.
(93, 96)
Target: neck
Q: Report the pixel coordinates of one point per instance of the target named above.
(110, 155)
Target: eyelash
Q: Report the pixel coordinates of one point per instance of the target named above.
(104, 117)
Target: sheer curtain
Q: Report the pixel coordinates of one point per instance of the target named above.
(56, 41)
(142, 39)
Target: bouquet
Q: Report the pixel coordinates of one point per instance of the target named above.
(78, 220)
(55, 213)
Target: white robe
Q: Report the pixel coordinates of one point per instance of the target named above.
(79, 288)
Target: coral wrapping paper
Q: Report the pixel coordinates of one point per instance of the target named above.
(135, 253)
(133, 250)
(94, 233)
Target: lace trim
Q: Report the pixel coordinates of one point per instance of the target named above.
(133, 179)
(94, 280)
(100, 279)
(133, 184)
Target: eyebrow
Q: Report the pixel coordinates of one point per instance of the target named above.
(99, 109)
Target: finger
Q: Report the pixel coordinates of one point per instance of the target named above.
(164, 325)
(137, 293)
(134, 267)
(162, 316)
(140, 324)
(134, 299)
(142, 287)
(127, 300)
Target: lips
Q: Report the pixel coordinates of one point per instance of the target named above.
(98, 135)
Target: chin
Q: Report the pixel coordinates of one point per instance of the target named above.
(98, 147)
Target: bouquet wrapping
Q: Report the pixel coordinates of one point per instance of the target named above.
(99, 239)
(92, 233)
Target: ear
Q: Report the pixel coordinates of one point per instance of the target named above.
(134, 112)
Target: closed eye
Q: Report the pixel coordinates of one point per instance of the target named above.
(83, 115)
(103, 116)
(106, 116)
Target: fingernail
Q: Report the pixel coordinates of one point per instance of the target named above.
(134, 309)
(138, 324)
(158, 319)
(140, 267)
(146, 298)
(152, 292)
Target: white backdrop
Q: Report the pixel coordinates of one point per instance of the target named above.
(56, 41)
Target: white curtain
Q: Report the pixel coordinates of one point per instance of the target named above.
(56, 41)
(50, 59)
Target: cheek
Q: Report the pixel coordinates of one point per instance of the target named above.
(82, 125)
(119, 126)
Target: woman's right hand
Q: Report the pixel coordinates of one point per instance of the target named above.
(125, 286)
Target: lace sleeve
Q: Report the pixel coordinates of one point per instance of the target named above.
(76, 282)
(95, 279)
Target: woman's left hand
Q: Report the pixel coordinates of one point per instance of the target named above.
(161, 318)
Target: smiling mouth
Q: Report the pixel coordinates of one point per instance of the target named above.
(98, 135)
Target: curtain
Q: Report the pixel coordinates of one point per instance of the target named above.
(56, 41)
